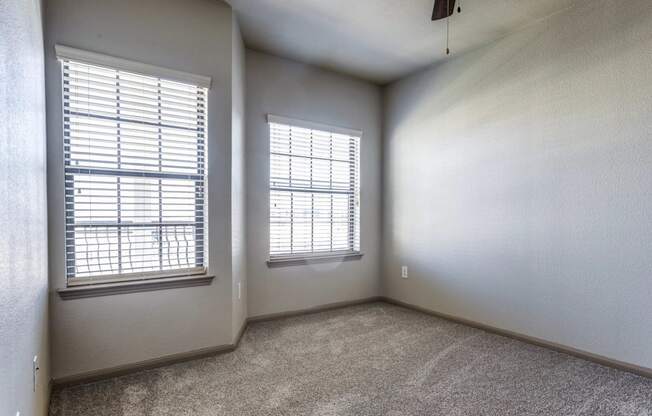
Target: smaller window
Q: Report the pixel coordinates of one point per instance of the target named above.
(314, 189)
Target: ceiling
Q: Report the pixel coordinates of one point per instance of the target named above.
(379, 40)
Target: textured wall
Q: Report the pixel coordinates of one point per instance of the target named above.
(290, 89)
(104, 332)
(23, 217)
(238, 195)
(518, 182)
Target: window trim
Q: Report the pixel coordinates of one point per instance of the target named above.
(133, 286)
(303, 259)
(319, 257)
(93, 58)
(271, 118)
(137, 281)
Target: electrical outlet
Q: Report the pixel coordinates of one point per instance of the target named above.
(35, 369)
(404, 272)
(239, 290)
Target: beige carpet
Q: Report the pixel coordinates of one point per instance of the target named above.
(374, 359)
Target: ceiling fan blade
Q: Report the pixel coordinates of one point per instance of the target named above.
(439, 11)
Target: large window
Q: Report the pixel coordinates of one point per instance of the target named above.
(134, 174)
(314, 189)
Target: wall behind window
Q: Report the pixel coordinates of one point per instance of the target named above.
(518, 182)
(23, 216)
(105, 332)
(286, 88)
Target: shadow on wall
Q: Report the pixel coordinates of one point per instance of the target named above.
(517, 181)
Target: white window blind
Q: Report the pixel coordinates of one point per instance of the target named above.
(134, 174)
(314, 190)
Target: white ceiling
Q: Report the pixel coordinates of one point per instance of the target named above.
(379, 40)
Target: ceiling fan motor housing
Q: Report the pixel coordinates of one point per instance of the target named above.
(443, 9)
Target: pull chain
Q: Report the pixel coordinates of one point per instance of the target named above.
(448, 18)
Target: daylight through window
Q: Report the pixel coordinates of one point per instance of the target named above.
(134, 174)
(314, 191)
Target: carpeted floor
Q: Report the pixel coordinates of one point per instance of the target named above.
(374, 359)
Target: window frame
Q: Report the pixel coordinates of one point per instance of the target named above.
(355, 222)
(63, 54)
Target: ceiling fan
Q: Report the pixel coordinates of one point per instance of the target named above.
(443, 9)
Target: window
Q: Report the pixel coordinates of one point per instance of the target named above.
(314, 189)
(134, 165)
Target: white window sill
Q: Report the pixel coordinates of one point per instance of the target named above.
(310, 259)
(132, 286)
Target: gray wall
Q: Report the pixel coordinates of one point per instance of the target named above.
(238, 195)
(518, 182)
(287, 88)
(23, 218)
(105, 332)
